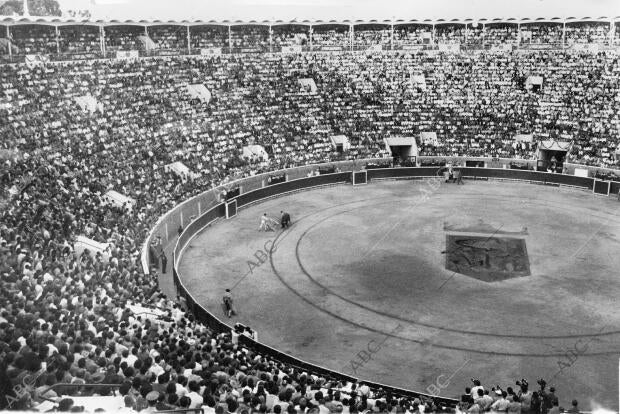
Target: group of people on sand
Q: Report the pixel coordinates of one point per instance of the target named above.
(270, 224)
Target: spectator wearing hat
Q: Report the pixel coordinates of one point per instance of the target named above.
(574, 409)
(151, 398)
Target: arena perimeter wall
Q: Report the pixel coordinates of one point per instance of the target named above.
(206, 208)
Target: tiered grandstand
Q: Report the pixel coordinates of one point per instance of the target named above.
(90, 108)
(79, 40)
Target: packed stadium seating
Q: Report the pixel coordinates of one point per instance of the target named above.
(208, 37)
(73, 312)
(78, 39)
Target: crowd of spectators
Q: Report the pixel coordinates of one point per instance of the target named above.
(448, 33)
(169, 37)
(524, 399)
(290, 35)
(79, 39)
(412, 34)
(39, 39)
(368, 35)
(542, 33)
(501, 34)
(69, 316)
(33, 39)
(587, 33)
(124, 38)
(331, 36)
(251, 37)
(205, 37)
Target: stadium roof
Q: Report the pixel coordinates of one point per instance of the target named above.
(55, 21)
(340, 10)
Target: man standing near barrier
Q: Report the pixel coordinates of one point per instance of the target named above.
(458, 176)
(285, 219)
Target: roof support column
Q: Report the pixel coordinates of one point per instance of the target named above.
(563, 35)
(229, 39)
(57, 39)
(102, 40)
(351, 36)
(392, 36)
(10, 39)
(189, 41)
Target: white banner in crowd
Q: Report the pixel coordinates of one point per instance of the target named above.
(524, 137)
(581, 172)
(211, 51)
(181, 170)
(449, 48)
(291, 49)
(412, 47)
(34, 60)
(374, 49)
(501, 48)
(127, 54)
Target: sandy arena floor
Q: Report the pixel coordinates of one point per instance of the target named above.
(362, 271)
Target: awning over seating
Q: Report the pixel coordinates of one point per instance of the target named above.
(181, 170)
(82, 243)
(341, 140)
(400, 141)
(308, 84)
(255, 151)
(418, 81)
(534, 80)
(88, 103)
(200, 92)
(552, 145)
(119, 200)
(148, 43)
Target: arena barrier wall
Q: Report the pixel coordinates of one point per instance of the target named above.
(207, 209)
(538, 177)
(184, 213)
